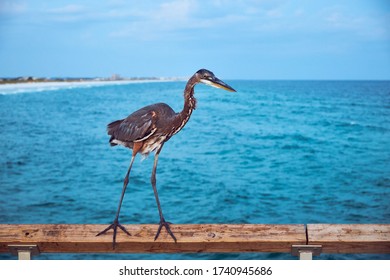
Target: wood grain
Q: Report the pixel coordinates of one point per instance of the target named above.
(213, 238)
(350, 238)
(81, 238)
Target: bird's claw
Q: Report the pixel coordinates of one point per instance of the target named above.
(165, 224)
(114, 226)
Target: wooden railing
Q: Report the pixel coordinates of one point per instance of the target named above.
(298, 239)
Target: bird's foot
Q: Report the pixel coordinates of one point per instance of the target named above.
(114, 226)
(165, 224)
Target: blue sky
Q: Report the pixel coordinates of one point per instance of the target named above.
(253, 39)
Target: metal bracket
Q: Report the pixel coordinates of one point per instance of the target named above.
(24, 252)
(306, 252)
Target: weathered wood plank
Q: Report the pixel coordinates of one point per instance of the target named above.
(81, 238)
(350, 238)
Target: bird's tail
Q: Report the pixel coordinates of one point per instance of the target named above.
(111, 128)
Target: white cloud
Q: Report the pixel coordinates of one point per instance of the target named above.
(149, 24)
(175, 11)
(361, 25)
(12, 7)
(274, 13)
(177, 15)
(68, 9)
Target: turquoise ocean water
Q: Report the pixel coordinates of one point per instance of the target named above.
(274, 152)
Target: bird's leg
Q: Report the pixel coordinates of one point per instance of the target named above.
(162, 223)
(115, 224)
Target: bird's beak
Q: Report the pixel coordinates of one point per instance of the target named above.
(215, 82)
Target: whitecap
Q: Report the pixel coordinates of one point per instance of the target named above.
(52, 86)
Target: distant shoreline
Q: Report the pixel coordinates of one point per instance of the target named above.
(21, 87)
(31, 80)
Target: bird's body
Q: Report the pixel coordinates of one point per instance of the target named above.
(146, 126)
(147, 129)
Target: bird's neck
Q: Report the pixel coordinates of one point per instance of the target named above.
(189, 99)
(189, 103)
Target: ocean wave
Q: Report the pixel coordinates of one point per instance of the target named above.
(238, 160)
(53, 86)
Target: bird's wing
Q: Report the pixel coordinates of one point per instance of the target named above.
(136, 127)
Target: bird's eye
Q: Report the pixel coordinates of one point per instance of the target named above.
(205, 76)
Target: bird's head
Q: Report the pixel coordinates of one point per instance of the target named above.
(207, 77)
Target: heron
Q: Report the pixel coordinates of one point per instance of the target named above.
(146, 130)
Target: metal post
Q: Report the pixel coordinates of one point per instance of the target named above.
(24, 252)
(24, 255)
(305, 255)
(306, 252)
